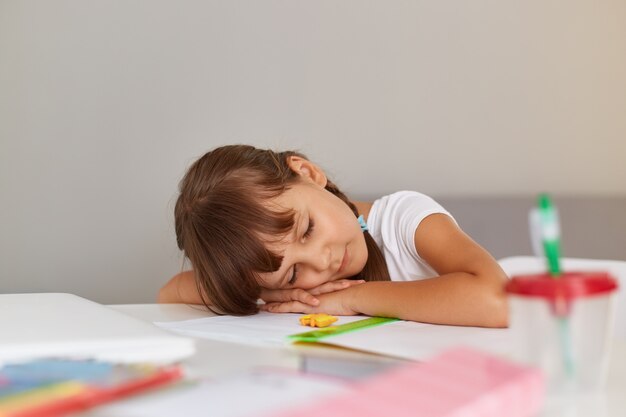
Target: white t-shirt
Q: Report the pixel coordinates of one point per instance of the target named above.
(392, 222)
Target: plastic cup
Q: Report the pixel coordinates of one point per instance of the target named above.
(563, 326)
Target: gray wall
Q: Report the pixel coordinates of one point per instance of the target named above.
(103, 104)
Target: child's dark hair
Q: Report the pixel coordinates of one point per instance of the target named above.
(222, 213)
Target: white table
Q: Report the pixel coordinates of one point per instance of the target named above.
(236, 357)
(214, 358)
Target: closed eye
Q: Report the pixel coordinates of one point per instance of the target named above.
(293, 278)
(309, 228)
(307, 233)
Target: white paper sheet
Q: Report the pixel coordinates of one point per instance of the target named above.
(420, 341)
(262, 329)
(403, 339)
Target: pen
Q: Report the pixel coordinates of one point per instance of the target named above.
(550, 234)
(546, 219)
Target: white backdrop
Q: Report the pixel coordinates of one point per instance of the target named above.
(103, 105)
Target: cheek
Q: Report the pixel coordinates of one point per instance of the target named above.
(359, 255)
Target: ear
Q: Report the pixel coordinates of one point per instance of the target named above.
(307, 170)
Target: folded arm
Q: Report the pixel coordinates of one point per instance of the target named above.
(182, 288)
(467, 292)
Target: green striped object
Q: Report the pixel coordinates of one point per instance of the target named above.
(316, 335)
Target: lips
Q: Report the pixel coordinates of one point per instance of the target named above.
(344, 261)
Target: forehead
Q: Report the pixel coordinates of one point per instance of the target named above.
(279, 245)
(294, 197)
(298, 199)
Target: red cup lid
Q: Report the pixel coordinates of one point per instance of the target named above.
(568, 285)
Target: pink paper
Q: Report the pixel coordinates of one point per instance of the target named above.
(461, 382)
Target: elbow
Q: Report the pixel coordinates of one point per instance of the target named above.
(163, 296)
(499, 321)
(496, 300)
(498, 312)
(493, 310)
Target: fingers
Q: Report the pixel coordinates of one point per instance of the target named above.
(282, 296)
(335, 286)
(288, 307)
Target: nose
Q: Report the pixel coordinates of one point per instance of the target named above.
(319, 258)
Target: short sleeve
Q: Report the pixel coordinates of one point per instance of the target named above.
(393, 221)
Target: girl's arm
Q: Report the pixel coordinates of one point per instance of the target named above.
(180, 289)
(468, 292)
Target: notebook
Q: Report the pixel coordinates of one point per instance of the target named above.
(43, 325)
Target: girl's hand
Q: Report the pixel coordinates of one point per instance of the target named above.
(336, 303)
(288, 295)
(306, 296)
(332, 286)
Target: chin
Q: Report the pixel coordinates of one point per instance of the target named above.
(358, 268)
(362, 258)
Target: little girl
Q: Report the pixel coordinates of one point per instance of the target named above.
(258, 224)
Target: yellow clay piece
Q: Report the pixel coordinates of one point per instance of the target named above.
(317, 320)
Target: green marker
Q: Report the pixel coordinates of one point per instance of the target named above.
(316, 335)
(551, 234)
(546, 219)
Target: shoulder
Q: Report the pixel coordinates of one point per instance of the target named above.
(394, 200)
(402, 202)
(398, 215)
